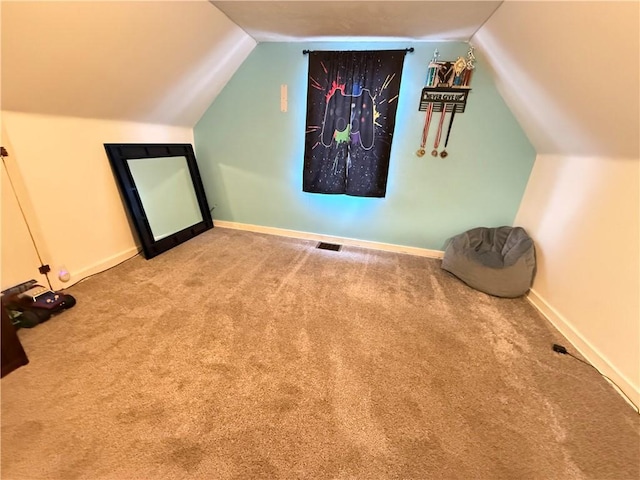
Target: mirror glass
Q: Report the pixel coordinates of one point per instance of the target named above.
(167, 194)
(163, 192)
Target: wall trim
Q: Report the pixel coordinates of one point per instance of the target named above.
(98, 267)
(625, 387)
(353, 242)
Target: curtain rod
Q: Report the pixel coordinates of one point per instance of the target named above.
(304, 52)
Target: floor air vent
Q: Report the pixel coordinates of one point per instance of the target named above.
(329, 246)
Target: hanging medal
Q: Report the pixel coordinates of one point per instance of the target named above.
(443, 153)
(446, 81)
(431, 78)
(459, 80)
(425, 131)
(434, 152)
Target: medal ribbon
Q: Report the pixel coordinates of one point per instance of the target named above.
(453, 114)
(439, 133)
(431, 76)
(425, 129)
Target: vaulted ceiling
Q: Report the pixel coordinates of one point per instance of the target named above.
(281, 21)
(568, 70)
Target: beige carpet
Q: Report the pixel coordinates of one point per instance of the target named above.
(240, 355)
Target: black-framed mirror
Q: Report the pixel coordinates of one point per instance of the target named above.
(163, 192)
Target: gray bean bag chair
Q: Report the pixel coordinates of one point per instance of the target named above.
(499, 261)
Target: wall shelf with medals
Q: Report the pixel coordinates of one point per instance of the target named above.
(445, 92)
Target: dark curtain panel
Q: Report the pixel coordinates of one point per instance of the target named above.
(351, 110)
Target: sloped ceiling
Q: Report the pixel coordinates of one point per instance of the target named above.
(570, 72)
(156, 62)
(281, 21)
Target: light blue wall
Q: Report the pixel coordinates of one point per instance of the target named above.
(251, 155)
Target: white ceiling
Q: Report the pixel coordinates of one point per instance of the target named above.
(276, 21)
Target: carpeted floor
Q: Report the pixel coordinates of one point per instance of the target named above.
(244, 356)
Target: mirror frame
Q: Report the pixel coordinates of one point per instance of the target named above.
(119, 154)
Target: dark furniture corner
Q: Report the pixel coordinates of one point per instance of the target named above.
(12, 353)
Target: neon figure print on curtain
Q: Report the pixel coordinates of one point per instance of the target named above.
(352, 98)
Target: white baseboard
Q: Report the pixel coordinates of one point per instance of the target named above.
(101, 266)
(625, 387)
(387, 247)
